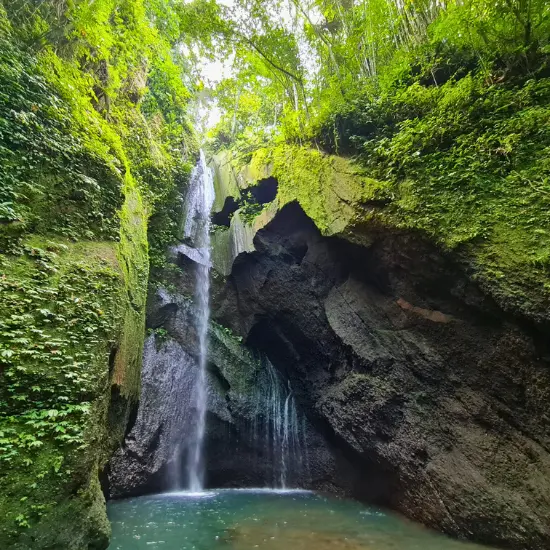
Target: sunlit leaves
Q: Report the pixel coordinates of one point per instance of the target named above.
(341, 50)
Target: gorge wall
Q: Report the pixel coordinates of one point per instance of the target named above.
(87, 190)
(244, 395)
(422, 390)
(410, 370)
(399, 303)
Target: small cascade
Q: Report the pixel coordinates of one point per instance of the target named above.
(281, 432)
(196, 232)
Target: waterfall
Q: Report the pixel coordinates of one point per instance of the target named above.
(196, 230)
(278, 431)
(283, 433)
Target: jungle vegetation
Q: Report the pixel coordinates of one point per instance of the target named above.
(445, 102)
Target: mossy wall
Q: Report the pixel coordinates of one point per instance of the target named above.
(495, 233)
(238, 365)
(88, 191)
(72, 333)
(228, 243)
(225, 182)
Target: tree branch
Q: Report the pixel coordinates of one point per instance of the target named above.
(270, 61)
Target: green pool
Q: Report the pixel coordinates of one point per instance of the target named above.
(269, 520)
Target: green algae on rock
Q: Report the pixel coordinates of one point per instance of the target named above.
(343, 200)
(70, 329)
(82, 172)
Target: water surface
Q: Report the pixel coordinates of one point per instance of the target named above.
(269, 520)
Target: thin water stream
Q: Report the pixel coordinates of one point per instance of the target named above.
(196, 231)
(281, 433)
(277, 428)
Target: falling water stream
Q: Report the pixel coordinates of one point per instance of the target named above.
(281, 433)
(277, 431)
(197, 231)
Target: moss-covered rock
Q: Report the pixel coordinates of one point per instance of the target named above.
(225, 180)
(228, 243)
(236, 363)
(506, 259)
(82, 170)
(71, 340)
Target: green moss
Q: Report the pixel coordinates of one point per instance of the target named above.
(222, 258)
(86, 508)
(330, 189)
(259, 168)
(333, 191)
(78, 184)
(491, 214)
(65, 308)
(236, 362)
(60, 307)
(133, 257)
(468, 163)
(225, 180)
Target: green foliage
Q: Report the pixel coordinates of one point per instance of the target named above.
(469, 155)
(50, 180)
(471, 163)
(98, 93)
(220, 329)
(445, 105)
(506, 33)
(464, 163)
(60, 309)
(249, 207)
(94, 141)
(161, 335)
(296, 63)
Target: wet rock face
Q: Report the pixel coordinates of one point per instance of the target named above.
(240, 449)
(147, 460)
(140, 466)
(424, 385)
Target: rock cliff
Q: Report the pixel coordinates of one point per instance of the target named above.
(407, 359)
(422, 387)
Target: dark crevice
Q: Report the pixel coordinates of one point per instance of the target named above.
(223, 217)
(161, 316)
(112, 359)
(217, 375)
(104, 481)
(132, 417)
(265, 190)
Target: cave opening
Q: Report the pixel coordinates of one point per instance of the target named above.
(265, 190)
(223, 217)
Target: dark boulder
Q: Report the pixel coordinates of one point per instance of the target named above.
(408, 369)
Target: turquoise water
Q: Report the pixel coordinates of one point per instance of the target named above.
(249, 519)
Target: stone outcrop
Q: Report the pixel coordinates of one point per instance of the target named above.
(342, 200)
(409, 369)
(238, 453)
(424, 387)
